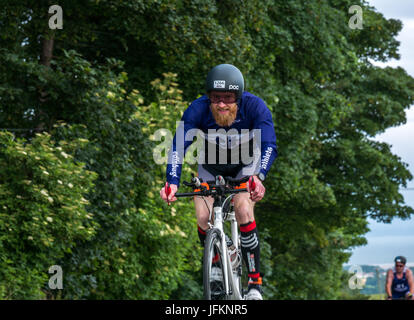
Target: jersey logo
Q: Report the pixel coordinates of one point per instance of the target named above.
(220, 84)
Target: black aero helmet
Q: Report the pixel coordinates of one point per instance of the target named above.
(225, 77)
(400, 259)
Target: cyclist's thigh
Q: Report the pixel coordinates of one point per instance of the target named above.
(244, 208)
(203, 205)
(202, 209)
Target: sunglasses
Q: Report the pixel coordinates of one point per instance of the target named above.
(229, 98)
(399, 265)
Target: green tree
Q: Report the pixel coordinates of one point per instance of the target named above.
(43, 212)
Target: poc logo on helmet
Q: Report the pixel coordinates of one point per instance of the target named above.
(220, 84)
(233, 87)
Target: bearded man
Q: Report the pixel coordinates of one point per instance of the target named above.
(231, 121)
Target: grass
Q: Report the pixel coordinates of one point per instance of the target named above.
(377, 296)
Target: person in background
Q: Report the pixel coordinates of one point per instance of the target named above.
(399, 283)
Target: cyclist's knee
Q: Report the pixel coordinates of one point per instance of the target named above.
(202, 221)
(244, 212)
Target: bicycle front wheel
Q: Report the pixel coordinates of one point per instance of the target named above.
(213, 270)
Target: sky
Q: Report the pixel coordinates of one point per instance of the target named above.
(385, 241)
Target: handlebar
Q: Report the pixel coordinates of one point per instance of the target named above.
(221, 186)
(210, 192)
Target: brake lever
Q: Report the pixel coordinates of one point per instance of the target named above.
(167, 191)
(252, 185)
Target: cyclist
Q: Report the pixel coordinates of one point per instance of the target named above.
(399, 282)
(227, 108)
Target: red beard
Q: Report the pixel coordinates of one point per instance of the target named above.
(224, 119)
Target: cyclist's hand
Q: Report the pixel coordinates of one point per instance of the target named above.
(259, 190)
(173, 190)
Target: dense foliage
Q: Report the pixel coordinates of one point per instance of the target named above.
(43, 212)
(120, 71)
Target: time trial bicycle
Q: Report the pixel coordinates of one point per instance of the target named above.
(222, 261)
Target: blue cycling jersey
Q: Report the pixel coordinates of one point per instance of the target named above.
(399, 287)
(252, 115)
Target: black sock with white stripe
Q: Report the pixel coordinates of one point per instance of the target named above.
(250, 248)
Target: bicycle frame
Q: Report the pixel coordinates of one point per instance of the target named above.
(231, 277)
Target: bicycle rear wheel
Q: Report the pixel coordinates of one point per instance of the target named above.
(213, 271)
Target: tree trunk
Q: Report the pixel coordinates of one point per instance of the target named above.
(45, 59)
(47, 51)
